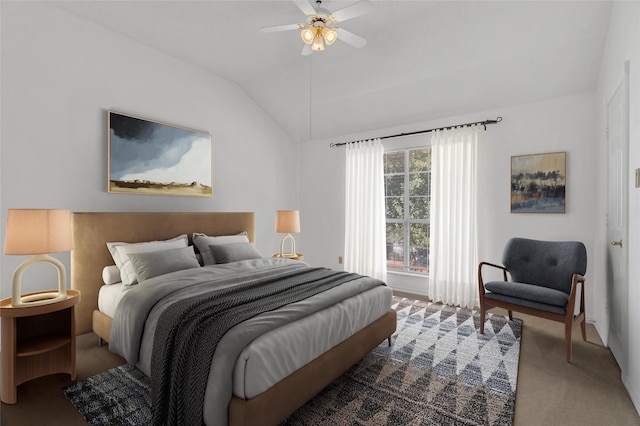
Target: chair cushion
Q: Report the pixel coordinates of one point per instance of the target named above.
(522, 302)
(534, 293)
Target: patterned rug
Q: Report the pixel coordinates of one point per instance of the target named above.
(439, 371)
(120, 396)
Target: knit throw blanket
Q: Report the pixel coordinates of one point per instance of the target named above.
(189, 331)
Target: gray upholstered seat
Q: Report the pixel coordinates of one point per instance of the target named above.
(544, 282)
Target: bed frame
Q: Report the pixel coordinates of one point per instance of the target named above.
(91, 232)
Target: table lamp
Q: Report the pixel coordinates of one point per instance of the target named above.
(38, 232)
(287, 221)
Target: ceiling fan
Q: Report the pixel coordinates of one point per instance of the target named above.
(322, 25)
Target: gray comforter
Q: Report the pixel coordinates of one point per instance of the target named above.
(137, 316)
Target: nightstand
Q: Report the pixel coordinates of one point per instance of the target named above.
(37, 341)
(299, 256)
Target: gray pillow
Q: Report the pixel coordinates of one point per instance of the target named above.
(203, 241)
(151, 264)
(234, 252)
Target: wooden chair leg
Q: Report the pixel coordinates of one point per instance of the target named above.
(568, 325)
(583, 314)
(483, 310)
(510, 315)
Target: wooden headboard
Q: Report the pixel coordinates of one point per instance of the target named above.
(91, 232)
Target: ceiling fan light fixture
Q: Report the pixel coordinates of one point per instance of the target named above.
(307, 35)
(318, 44)
(322, 26)
(330, 35)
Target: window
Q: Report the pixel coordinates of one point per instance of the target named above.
(407, 179)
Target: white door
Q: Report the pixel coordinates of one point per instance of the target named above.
(617, 214)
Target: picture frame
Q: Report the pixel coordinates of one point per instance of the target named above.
(538, 183)
(151, 157)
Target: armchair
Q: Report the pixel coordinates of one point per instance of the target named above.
(544, 282)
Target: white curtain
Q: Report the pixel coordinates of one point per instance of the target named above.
(453, 238)
(365, 239)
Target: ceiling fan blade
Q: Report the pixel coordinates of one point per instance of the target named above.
(305, 7)
(280, 28)
(356, 9)
(351, 38)
(306, 50)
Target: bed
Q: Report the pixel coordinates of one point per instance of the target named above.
(282, 395)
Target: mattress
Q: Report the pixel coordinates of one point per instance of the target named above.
(278, 353)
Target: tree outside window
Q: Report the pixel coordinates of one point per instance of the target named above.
(407, 175)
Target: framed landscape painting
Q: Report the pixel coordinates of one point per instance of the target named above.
(538, 183)
(148, 157)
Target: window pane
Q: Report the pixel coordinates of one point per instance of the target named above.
(395, 246)
(394, 185)
(408, 186)
(394, 162)
(394, 207)
(419, 208)
(419, 247)
(420, 160)
(420, 183)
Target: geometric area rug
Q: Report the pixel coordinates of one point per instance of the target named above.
(439, 370)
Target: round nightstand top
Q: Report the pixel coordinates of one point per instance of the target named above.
(8, 310)
(298, 256)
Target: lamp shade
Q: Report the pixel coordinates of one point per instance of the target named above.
(307, 35)
(37, 231)
(287, 221)
(330, 35)
(318, 43)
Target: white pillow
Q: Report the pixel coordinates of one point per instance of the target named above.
(110, 275)
(202, 242)
(120, 251)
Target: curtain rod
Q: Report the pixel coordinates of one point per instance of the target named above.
(483, 123)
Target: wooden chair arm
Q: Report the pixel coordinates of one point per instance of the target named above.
(481, 281)
(575, 280)
(493, 265)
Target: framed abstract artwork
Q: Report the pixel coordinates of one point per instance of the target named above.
(538, 183)
(149, 157)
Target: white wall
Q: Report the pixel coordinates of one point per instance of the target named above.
(61, 74)
(564, 124)
(623, 45)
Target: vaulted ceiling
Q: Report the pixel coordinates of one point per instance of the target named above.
(423, 60)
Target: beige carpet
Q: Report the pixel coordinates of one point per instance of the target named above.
(550, 391)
